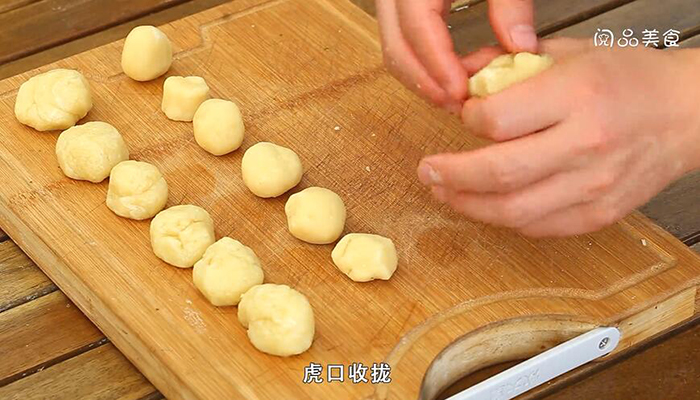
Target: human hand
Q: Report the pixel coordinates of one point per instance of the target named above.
(418, 49)
(579, 146)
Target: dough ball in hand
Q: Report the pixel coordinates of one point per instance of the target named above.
(270, 170)
(507, 70)
(226, 271)
(147, 53)
(89, 152)
(182, 96)
(137, 190)
(53, 100)
(280, 320)
(365, 257)
(315, 215)
(181, 234)
(218, 126)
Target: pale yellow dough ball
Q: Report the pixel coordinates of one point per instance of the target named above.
(270, 170)
(365, 257)
(315, 215)
(507, 70)
(137, 190)
(147, 53)
(53, 100)
(218, 126)
(280, 320)
(226, 271)
(88, 152)
(181, 234)
(182, 96)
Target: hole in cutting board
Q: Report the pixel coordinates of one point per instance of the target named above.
(483, 353)
(475, 377)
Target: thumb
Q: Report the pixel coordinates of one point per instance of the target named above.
(513, 23)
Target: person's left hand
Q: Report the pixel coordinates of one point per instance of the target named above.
(580, 145)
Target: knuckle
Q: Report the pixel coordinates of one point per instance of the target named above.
(601, 184)
(485, 123)
(512, 213)
(605, 216)
(597, 141)
(504, 175)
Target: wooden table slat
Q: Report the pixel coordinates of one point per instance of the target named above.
(25, 29)
(40, 333)
(639, 15)
(691, 42)
(102, 37)
(9, 5)
(654, 381)
(20, 279)
(471, 28)
(671, 209)
(3, 236)
(101, 373)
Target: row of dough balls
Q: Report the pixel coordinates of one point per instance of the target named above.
(218, 124)
(316, 215)
(183, 235)
(279, 319)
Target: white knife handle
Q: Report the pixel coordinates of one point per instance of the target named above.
(544, 367)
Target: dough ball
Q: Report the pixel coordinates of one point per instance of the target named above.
(53, 100)
(507, 70)
(218, 126)
(182, 96)
(147, 53)
(280, 320)
(226, 271)
(137, 190)
(365, 257)
(88, 152)
(181, 234)
(270, 170)
(315, 215)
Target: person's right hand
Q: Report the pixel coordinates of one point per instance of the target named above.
(418, 49)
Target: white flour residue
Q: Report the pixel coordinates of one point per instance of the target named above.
(195, 320)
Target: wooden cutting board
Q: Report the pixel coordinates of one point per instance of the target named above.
(308, 75)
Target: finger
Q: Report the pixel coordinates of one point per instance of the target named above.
(513, 23)
(426, 32)
(526, 107)
(504, 167)
(534, 202)
(476, 60)
(577, 220)
(402, 62)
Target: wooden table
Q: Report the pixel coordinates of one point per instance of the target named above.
(50, 350)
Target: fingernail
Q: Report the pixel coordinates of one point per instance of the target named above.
(427, 175)
(439, 193)
(524, 38)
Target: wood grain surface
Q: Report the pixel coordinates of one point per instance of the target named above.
(33, 326)
(75, 379)
(639, 15)
(471, 29)
(22, 21)
(75, 366)
(20, 279)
